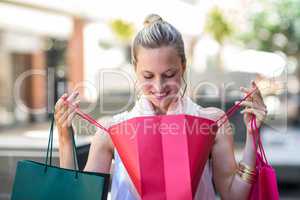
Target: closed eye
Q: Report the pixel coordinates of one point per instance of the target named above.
(169, 75)
(148, 77)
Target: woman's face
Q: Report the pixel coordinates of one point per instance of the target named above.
(159, 73)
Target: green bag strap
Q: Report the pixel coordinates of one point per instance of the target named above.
(50, 142)
(48, 161)
(71, 130)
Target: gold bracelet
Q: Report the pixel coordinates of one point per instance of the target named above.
(245, 167)
(246, 173)
(246, 177)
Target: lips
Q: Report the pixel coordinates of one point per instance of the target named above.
(160, 96)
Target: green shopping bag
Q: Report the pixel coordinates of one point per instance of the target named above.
(42, 181)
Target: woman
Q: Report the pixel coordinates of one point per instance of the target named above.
(159, 60)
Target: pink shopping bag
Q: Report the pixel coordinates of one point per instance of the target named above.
(265, 186)
(164, 155)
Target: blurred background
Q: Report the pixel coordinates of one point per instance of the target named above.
(51, 47)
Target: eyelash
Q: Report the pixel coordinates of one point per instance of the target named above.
(170, 76)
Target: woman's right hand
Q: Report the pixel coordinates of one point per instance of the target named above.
(64, 114)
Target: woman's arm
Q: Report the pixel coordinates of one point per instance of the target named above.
(227, 181)
(63, 116)
(101, 149)
(100, 154)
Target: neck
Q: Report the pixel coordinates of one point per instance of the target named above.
(159, 111)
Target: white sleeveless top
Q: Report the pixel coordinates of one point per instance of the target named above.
(122, 187)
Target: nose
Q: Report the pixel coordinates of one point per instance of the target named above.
(159, 85)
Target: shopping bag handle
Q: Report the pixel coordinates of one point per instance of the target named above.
(223, 117)
(257, 144)
(234, 108)
(48, 161)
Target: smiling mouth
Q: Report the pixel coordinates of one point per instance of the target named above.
(160, 96)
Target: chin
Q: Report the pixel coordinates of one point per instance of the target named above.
(162, 102)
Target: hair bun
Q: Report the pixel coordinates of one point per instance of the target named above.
(151, 19)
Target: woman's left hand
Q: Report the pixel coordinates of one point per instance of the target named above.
(254, 105)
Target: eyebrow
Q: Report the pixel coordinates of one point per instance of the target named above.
(173, 68)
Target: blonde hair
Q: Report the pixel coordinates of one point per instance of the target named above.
(157, 33)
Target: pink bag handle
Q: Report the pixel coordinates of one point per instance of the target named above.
(257, 140)
(85, 116)
(234, 108)
(226, 115)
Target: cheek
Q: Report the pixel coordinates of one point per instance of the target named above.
(145, 86)
(174, 84)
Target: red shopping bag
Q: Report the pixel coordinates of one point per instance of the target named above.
(265, 186)
(164, 153)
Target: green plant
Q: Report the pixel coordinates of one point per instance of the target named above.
(274, 27)
(217, 25)
(123, 30)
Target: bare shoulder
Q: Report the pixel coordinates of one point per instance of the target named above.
(101, 137)
(225, 132)
(102, 140)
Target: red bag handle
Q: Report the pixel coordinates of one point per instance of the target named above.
(85, 116)
(234, 108)
(257, 140)
(226, 115)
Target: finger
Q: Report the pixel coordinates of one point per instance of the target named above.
(68, 121)
(75, 104)
(63, 109)
(60, 112)
(255, 95)
(70, 118)
(251, 104)
(72, 99)
(245, 103)
(258, 100)
(64, 116)
(253, 110)
(258, 113)
(246, 91)
(73, 96)
(257, 92)
(59, 103)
